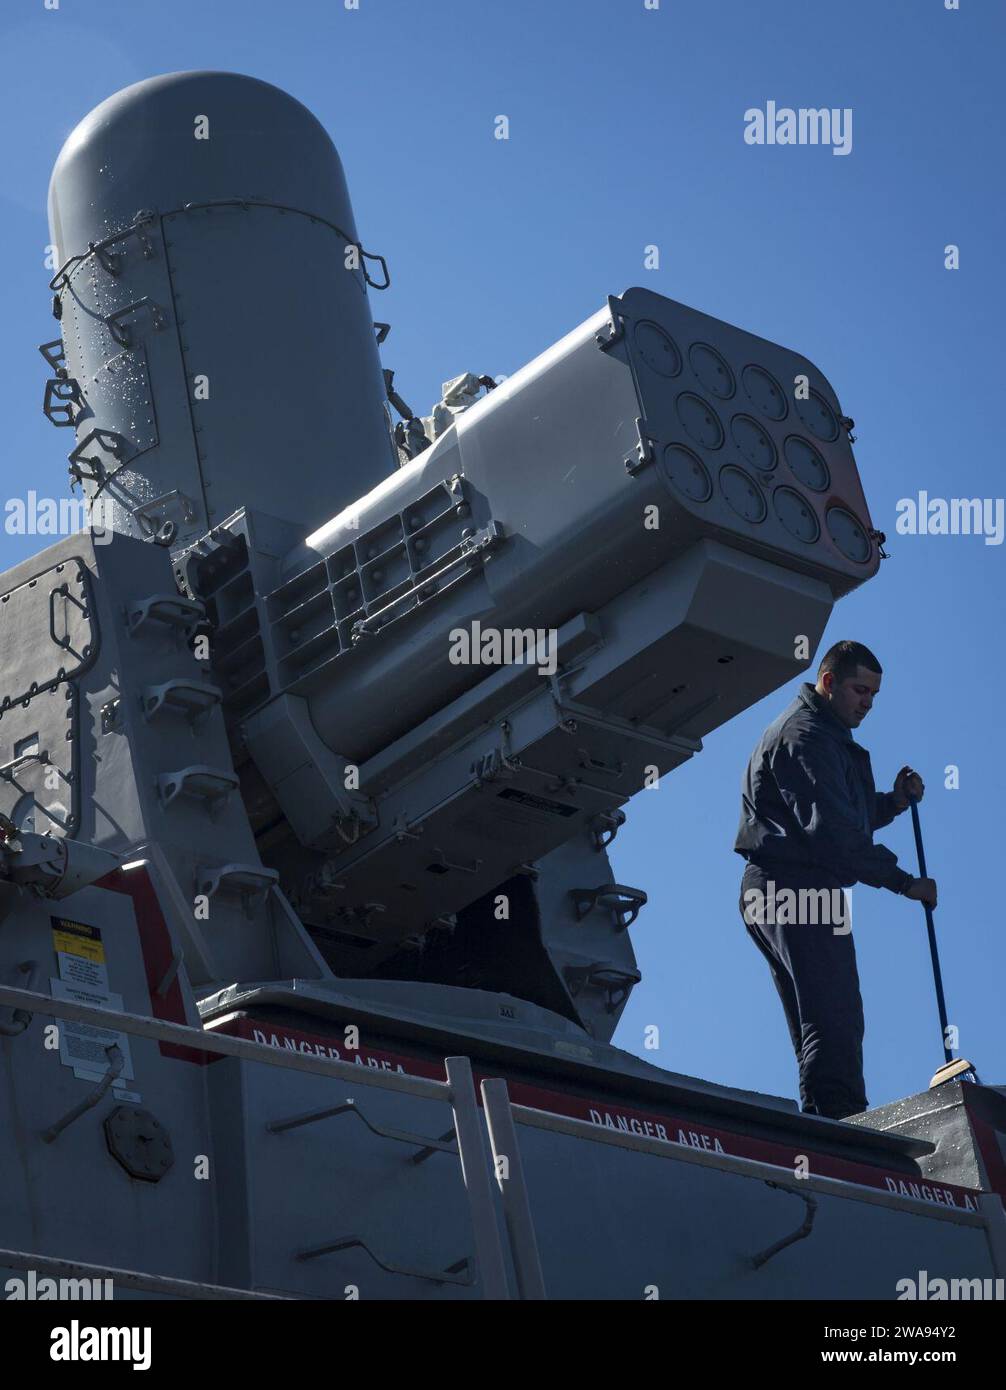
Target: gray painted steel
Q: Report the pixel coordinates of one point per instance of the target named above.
(218, 339)
(280, 881)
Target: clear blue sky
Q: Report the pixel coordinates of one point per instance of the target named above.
(626, 129)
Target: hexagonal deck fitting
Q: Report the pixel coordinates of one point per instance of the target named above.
(139, 1142)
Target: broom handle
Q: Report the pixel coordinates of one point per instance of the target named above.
(931, 929)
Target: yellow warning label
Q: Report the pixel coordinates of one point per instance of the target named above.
(78, 939)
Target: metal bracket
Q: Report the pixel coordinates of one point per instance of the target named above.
(373, 256)
(801, 1233)
(448, 1276)
(615, 983)
(616, 896)
(7, 770)
(496, 763)
(21, 1017)
(63, 403)
(108, 440)
(605, 826)
(200, 781)
(187, 508)
(54, 353)
(636, 462)
(63, 591)
(251, 881)
(423, 1145)
(123, 332)
(467, 555)
(445, 865)
(116, 1061)
(190, 698)
(175, 612)
(111, 716)
(63, 388)
(611, 334)
(109, 261)
(402, 831)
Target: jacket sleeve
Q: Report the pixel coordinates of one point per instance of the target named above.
(811, 780)
(884, 810)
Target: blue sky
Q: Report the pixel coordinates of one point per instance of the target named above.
(626, 129)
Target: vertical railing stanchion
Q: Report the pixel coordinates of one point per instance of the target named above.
(994, 1210)
(488, 1247)
(510, 1177)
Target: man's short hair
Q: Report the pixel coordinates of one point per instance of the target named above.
(843, 659)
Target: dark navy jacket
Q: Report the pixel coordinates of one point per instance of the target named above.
(809, 800)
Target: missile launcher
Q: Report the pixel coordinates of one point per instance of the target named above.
(315, 740)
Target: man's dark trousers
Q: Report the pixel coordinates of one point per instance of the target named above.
(814, 969)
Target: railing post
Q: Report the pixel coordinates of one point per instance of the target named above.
(993, 1208)
(488, 1248)
(510, 1177)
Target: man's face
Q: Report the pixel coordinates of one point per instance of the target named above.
(851, 700)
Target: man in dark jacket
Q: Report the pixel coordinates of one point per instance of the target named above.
(809, 808)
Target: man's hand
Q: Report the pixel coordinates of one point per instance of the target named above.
(922, 890)
(907, 784)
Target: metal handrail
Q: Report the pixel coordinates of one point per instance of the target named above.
(128, 1278)
(749, 1167)
(502, 1117)
(202, 1040)
(458, 1091)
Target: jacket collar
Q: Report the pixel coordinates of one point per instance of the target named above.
(809, 697)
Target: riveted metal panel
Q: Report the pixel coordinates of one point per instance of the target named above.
(48, 636)
(47, 632)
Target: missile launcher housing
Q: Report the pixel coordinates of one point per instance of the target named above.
(314, 742)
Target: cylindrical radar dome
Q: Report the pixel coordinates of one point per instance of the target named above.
(214, 309)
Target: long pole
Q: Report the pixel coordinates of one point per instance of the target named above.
(937, 974)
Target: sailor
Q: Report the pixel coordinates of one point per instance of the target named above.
(809, 808)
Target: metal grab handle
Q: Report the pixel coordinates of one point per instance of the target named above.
(135, 228)
(191, 698)
(615, 983)
(802, 1231)
(210, 784)
(448, 1276)
(109, 440)
(171, 609)
(62, 404)
(21, 1017)
(617, 896)
(122, 332)
(424, 1145)
(116, 1061)
(605, 826)
(63, 591)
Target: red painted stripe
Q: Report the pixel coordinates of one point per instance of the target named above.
(155, 945)
(614, 1115)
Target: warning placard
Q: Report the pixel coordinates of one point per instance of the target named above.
(83, 977)
(83, 1046)
(80, 952)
